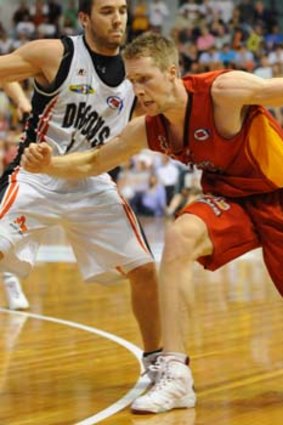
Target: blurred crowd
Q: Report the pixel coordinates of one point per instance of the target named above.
(211, 34)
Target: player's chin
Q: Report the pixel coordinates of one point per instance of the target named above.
(117, 39)
(113, 45)
(152, 112)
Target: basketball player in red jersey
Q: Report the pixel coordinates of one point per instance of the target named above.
(216, 121)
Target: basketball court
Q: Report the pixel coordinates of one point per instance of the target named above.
(73, 358)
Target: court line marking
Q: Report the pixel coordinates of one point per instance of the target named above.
(138, 388)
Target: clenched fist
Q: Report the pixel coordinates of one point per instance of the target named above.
(37, 158)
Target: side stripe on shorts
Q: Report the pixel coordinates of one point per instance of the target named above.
(10, 194)
(134, 224)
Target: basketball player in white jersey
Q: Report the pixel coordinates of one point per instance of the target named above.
(80, 100)
(15, 296)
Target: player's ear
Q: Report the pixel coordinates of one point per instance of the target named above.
(173, 72)
(83, 19)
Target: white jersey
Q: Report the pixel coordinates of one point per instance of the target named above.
(82, 113)
(103, 231)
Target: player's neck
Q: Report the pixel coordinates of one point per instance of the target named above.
(99, 48)
(178, 106)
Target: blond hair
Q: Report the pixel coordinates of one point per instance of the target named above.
(162, 50)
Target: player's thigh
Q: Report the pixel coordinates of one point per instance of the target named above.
(267, 213)
(229, 227)
(108, 238)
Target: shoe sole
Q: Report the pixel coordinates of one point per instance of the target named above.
(182, 405)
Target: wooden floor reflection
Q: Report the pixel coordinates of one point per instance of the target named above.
(53, 374)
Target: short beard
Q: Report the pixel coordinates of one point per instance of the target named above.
(104, 44)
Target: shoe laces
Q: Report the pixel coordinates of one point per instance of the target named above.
(163, 371)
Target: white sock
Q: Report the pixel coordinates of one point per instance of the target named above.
(181, 357)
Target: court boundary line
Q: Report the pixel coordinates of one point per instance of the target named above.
(130, 396)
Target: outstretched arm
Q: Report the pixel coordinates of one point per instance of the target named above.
(38, 158)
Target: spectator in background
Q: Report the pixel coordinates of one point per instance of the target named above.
(191, 10)
(21, 40)
(140, 21)
(255, 39)
(206, 40)
(38, 11)
(188, 55)
(6, 43)
(276, 55)
(140, 173)
(70, 20)
(264, 70)
(207, 11)
(245, 59)
(26, 26)
(46, 29)
(22, 13)
(225, 9)
(263, 16)
(158, 12)
(210, 59)
(274, 37)
(153, 201)
(168, 175)
(54, 12)
(246, 11)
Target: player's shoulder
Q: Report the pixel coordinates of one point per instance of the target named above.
(43, 48)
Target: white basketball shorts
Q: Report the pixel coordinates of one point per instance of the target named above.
(101, 227)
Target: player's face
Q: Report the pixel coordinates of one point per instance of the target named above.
(106, 26)
(152, 86)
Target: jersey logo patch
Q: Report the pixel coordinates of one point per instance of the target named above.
(114, 102)
(81, 72)
(201, 134)
(216, 203)
(19, 224)
(81, 88)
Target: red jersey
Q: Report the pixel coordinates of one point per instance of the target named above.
(250, 162)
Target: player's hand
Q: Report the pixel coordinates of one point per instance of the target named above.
(37, 158)
(23, 109)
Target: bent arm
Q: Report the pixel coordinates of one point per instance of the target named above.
(80, 165)
(39, 58)
(241, 88)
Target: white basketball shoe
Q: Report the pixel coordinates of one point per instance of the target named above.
(15, 297)
(173, 388)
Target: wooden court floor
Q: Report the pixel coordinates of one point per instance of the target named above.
(58, 369)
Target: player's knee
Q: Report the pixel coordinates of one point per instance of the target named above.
(175, 244)
(183, 240)
(1, 255)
